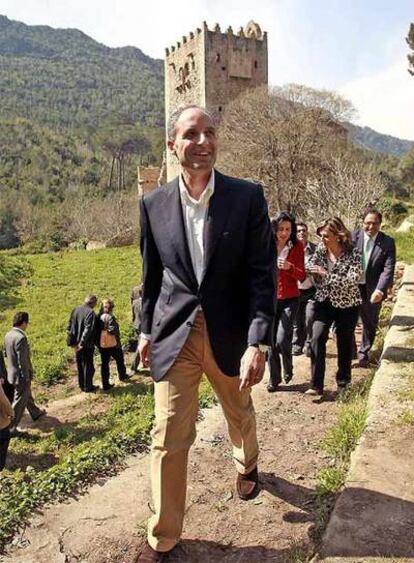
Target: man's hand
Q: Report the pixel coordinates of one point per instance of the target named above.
(144, 348)
(252, 367)
(376, 296)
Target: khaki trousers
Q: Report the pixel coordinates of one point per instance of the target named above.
(176, 409)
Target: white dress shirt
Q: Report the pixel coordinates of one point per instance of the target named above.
(369, 242)
(194, 214)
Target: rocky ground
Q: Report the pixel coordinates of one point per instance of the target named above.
(106, 524)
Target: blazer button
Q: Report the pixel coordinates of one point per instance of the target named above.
(189, 324)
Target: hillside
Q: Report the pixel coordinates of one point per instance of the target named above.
(370, 139)
(63, 78)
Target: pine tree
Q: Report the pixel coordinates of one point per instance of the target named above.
(410, 56)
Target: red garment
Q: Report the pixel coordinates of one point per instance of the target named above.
(287, 280)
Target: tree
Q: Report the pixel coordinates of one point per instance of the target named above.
(291, 141)
(121, 141)
(410, 56)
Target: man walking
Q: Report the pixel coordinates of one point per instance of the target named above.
(207, 307)
(378, 264)
(20, 370)
(302, 329)
(82, 337)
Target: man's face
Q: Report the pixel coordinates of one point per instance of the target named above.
(302, 234)
(195, 143)
(372, 224)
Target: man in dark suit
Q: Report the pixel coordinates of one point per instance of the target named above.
(378, 264)
(207, 307)
(20, 370)
(81, 333)
(302, 328)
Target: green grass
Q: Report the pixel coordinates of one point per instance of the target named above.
(59, 283)
(93, 446)
(406, 418)
(53, 466)
(405, 246)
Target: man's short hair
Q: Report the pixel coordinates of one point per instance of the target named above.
(373, 210)
(302, 224)
(20, 318)
(175, 116)
(91, 299)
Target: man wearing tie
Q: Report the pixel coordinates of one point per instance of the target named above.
(207, 307)
(378, 265)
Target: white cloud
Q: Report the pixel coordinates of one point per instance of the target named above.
(385, 101)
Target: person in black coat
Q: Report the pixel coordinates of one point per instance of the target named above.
(207, 307)
(81, 335)
(109, 343)
(378, 264)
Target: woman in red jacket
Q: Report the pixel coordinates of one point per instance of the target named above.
(290, 271)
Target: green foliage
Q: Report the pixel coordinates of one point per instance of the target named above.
(405, 246)
(330, 480)
(63, 78)
(12, 272)
(342, 438)
(406, 418)
(81, 457)
(59, 282)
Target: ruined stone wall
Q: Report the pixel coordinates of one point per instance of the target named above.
(184, 81)
(234, 63)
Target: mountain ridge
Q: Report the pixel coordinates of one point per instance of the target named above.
(64, 78)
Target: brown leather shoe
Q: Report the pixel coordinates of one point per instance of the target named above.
(149, 555)
(247, 486)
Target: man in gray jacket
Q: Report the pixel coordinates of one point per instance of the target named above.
(20, 370)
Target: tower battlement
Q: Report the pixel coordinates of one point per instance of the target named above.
(210, 67)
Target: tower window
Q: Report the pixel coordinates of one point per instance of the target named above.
(255, 64)
(223, 68)
(218, 58)
(220, 108)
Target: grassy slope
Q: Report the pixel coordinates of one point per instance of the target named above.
(59, 283)
(111, 426)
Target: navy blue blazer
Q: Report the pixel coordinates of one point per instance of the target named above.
(380, 270)
(237, 290)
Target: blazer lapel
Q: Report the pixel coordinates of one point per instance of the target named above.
(173, 213)
(218, 212)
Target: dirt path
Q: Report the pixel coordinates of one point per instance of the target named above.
(106, 525)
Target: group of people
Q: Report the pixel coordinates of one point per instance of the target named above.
(327, 286)
(224, 288)
(86, 330)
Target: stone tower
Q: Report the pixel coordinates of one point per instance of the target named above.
(211, 68)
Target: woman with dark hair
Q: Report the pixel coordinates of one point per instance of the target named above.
(291, 269)
(109, 343)
(336, 267)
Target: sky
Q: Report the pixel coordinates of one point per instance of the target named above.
(356, 47)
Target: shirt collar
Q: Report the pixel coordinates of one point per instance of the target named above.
(19, 330)
(367, 237)
(205, 196)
